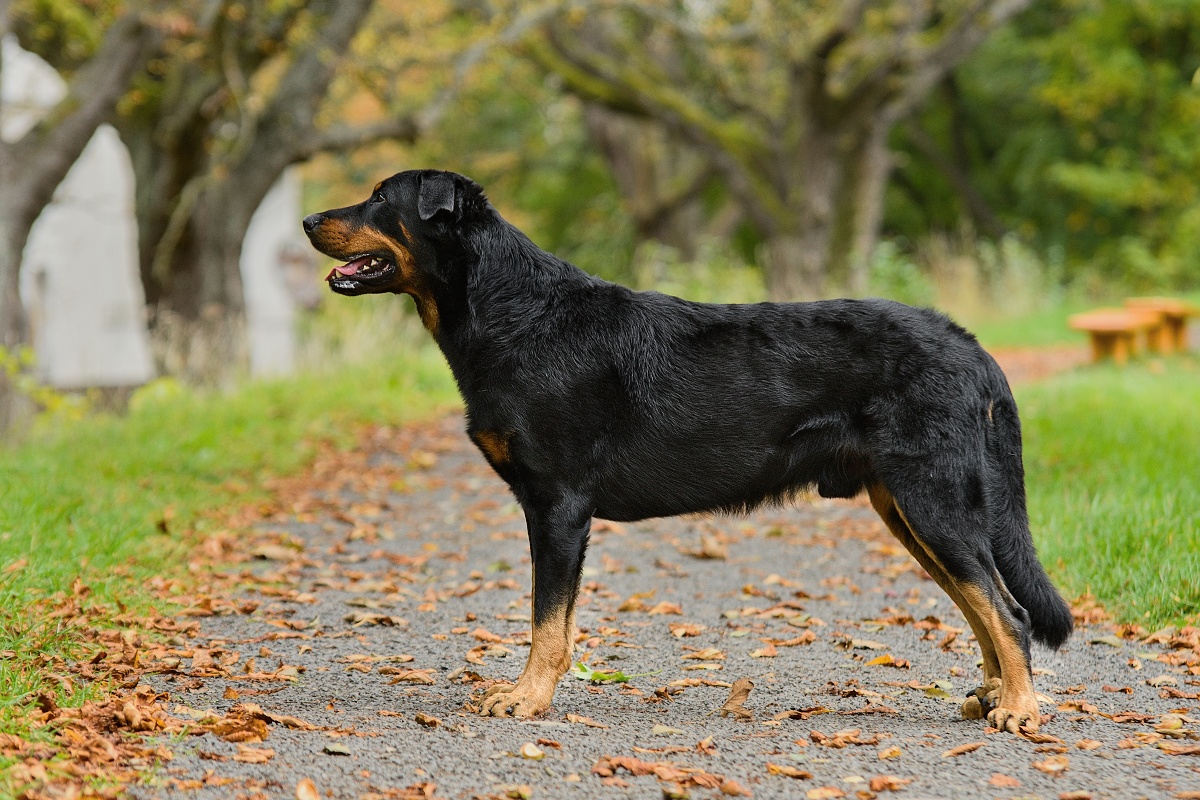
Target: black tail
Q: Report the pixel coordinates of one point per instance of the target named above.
(1012, 544)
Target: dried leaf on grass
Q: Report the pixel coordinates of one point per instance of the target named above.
(307, 790)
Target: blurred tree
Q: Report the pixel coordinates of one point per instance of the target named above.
(232, 101)
(791, 103)
(32, 166)
(1079, 126)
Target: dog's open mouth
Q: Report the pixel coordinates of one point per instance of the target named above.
(362, 269)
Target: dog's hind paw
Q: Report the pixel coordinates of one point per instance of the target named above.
(525, 701)
(982, 700)
(1007, 719)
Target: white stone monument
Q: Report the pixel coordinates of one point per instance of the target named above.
(277, 274)
(79, 275)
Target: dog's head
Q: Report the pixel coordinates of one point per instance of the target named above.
(390, 241)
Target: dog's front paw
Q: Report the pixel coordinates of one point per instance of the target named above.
(524, 700)
(1014, 721)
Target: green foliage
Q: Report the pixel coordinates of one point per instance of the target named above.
(897, 277)
(1078, 124)
(53, 407)
(1111, 457)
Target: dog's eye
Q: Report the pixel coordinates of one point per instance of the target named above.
(378, 198)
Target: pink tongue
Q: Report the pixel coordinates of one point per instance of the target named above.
(348, 269)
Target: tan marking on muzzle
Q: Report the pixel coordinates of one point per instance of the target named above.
(343, 241)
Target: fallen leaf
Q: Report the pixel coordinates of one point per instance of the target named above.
(359, 618)
(707, 654)
(734, 789)
(825, 793)
(711, 547)
(1111, 641)
(765, 652)
(1053, 765)
(788, 772)
(735, 703)
(1002, 781)
(336, 749)
(890, 753)
(666, 607)
(275, 552)
(531, 751)
(888, 783)
(401, 675)
(307, 790)
(484, 635)
(1088, 744)
(963, 749)
(421, 718)
(665, 730)
(866, 644)
(682, 629)
(253, 755)
(1079, 794)
(591, 723)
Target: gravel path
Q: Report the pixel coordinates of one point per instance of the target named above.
(441, 552)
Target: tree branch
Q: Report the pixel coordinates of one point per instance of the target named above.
(976, 205)
(933, 63)
(340, 138)
(46, 153)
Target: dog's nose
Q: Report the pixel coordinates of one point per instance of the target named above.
(312, 221)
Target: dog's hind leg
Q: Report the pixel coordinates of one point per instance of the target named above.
(953, 533)
(976, 705)
(557, 542)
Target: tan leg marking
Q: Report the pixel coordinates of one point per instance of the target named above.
(894, 518)
(549, 659)
(1018, 707)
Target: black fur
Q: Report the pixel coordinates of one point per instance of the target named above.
(625, 405)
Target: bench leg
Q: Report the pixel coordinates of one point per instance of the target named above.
(1125, 348)
(1103, 345)
(1177, 333)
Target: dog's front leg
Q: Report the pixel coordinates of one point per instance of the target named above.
(557, 541)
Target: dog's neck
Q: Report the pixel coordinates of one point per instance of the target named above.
(499, 285)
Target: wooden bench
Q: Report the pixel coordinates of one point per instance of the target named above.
(1174, 312)
(1114, 331)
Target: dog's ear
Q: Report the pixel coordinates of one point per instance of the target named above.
(437, 193)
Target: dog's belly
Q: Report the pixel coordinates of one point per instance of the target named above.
(665, 481)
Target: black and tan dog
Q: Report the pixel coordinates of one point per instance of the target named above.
(593, 400)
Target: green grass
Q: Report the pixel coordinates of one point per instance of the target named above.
(84, 499)
(1040, 328)
(1113, 473)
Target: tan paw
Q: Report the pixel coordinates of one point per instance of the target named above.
(525, 701)
(1013, 721)
(982, 700)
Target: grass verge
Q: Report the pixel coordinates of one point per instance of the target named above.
(1112, 462)
(103, 499)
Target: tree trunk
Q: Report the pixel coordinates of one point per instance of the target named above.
(866, 165)
(198, 320)
(13, 323)
(795, 265)
(659, 178)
